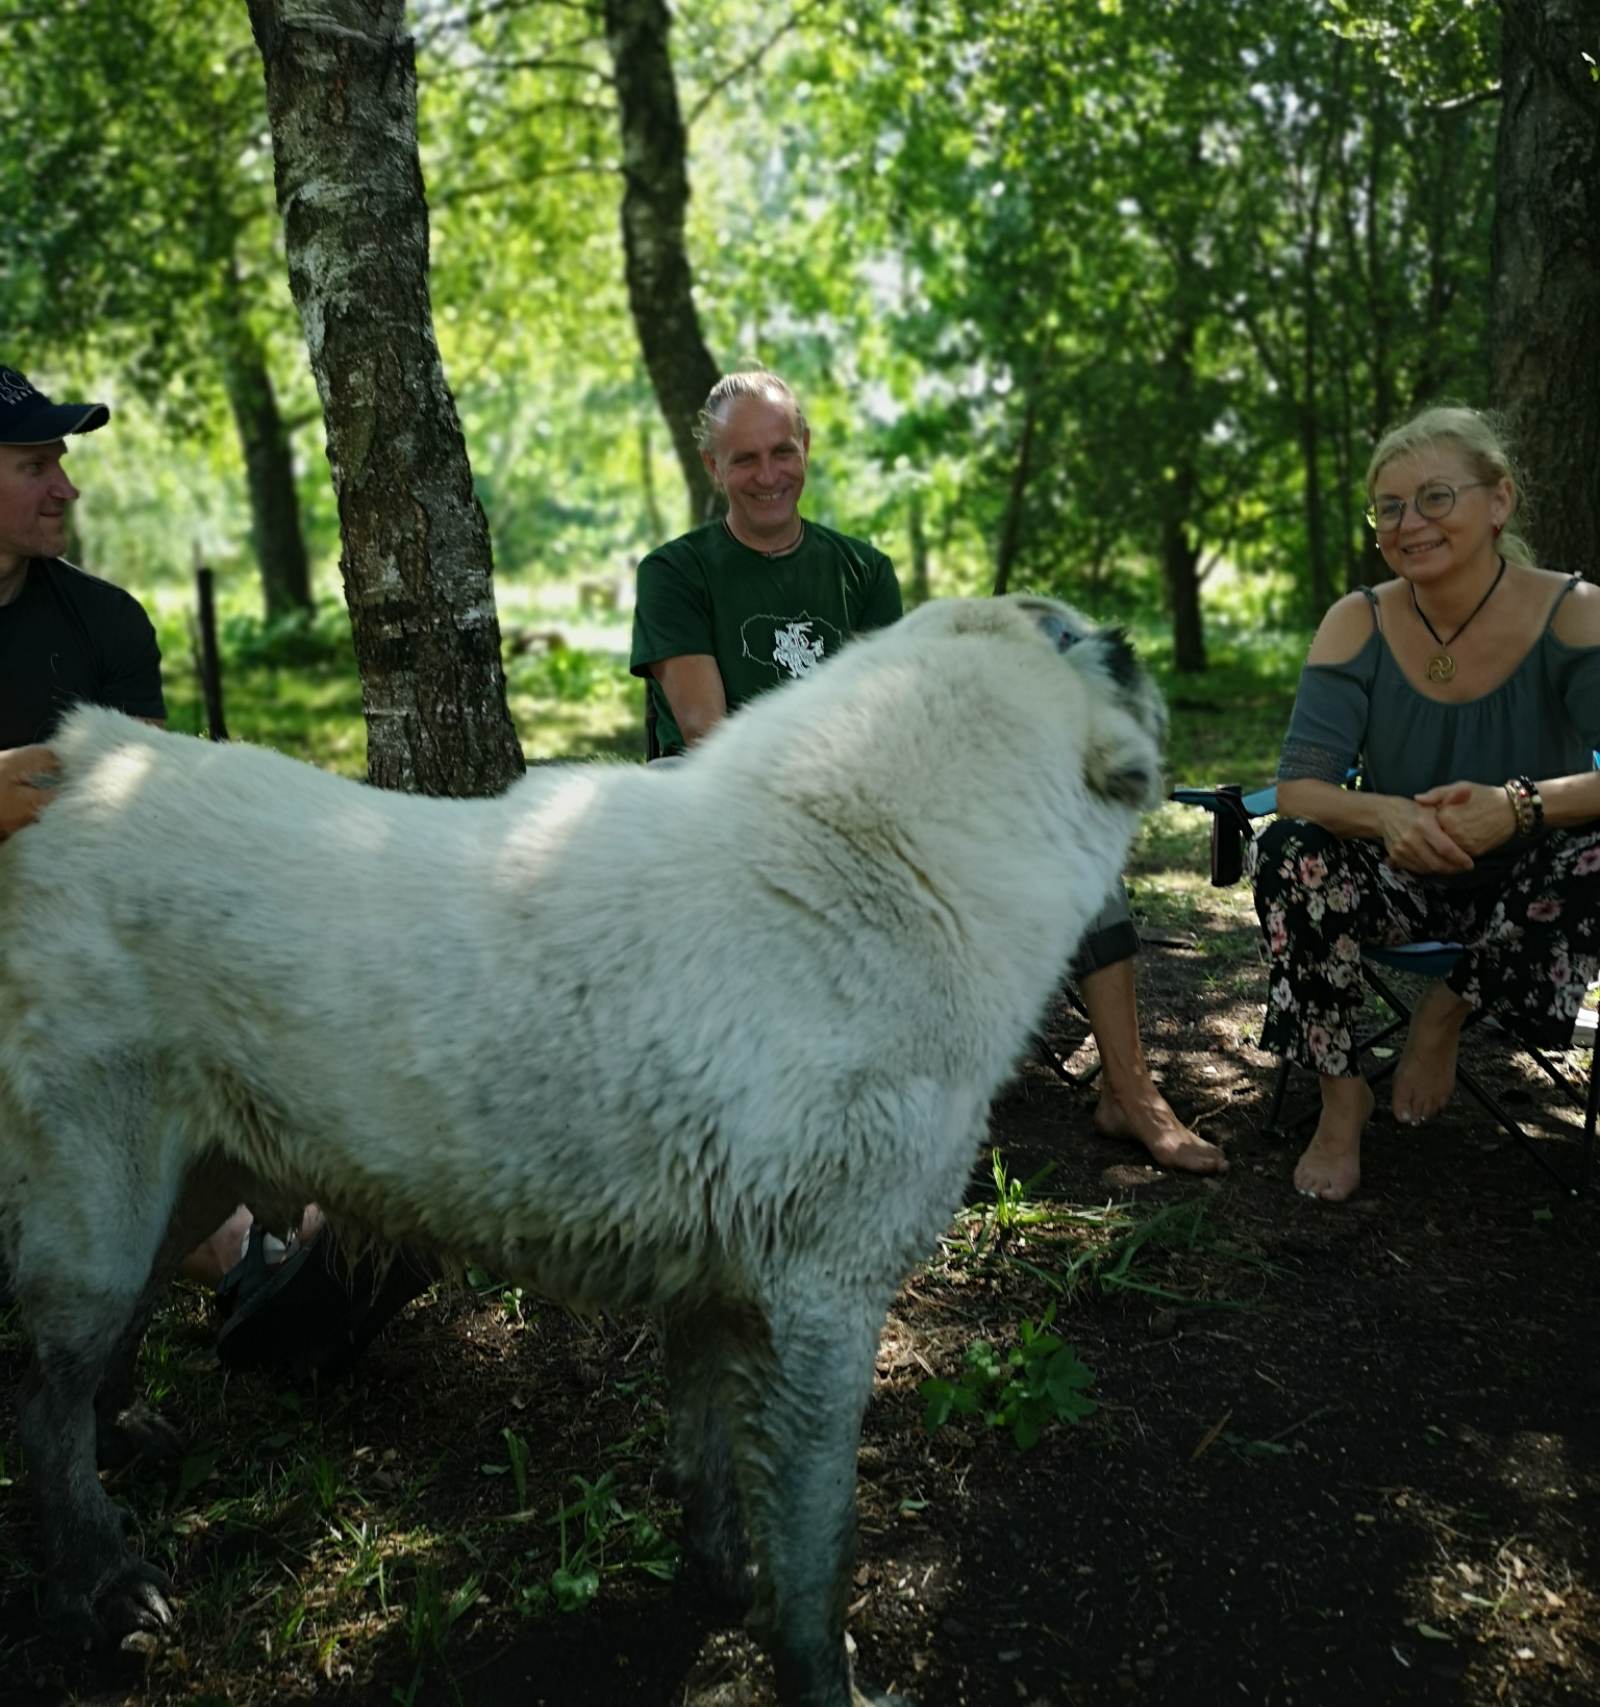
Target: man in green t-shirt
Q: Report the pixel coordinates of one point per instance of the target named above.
(740, 604)
(760, 596)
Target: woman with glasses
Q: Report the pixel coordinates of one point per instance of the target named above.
(1468, 690)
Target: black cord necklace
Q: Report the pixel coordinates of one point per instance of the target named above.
(1441, 666)
(782, 551)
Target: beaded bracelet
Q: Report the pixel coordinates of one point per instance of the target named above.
(1530, 792)
(1523, 793)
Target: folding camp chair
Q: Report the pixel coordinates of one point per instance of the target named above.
(1233, 815)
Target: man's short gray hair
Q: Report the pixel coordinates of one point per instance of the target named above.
(752, 382)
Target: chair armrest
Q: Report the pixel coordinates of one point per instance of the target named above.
(1232, 811)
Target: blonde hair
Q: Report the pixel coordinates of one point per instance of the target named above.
(1480, 439)
(751, 382)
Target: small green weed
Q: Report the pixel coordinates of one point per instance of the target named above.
(1039, 1381)
(508, 1296)
(601, 1526)
(433, 1614)
(516, 1463)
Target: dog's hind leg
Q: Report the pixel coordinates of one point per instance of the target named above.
(700, 1343)
(83, 1237)
(796, 1413)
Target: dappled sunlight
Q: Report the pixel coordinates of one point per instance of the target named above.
(535, 841)
(119, 776)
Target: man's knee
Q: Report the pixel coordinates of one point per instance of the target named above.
(1109, 937)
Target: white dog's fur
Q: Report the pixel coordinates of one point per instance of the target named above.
(718, 1039)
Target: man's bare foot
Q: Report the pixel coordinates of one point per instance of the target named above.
(1330, 1165)
(1148, 1118)
(1426, 1076)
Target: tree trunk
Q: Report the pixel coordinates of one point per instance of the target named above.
(1311, 357)
(655, 527)
(1180, 564)
(917, 592)
(269, 471)
(1180, 553)
(1021, 472)
(341, 97)
(1546, 268)
(654, 198)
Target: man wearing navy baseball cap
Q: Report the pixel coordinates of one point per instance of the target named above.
(65, 636)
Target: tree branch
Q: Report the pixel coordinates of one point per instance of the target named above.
(536, 62)
(750, 61)
(488, 186)
(496, 8)
(1458, 103)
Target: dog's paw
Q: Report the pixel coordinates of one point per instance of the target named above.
(137, 1432)
(132, 1603)
(136, 1605)
(860, 1697)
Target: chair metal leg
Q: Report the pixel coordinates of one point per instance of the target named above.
(1591, 1113)
(1280, 1088)
(1047, 1054)
(1057, 1063)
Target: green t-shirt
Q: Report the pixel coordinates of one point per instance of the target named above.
(764, 619)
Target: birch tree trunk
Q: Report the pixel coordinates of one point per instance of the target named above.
(342, 100)
(1547, 268)
(655, 195)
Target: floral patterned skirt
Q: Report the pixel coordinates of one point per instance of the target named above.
(1532, 935)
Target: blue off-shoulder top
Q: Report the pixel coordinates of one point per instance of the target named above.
(1543, 720)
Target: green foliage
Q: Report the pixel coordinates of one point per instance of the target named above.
(1041, 1380)
(1201, 253)
(299, 640)
(570, 675)
(603, 1537)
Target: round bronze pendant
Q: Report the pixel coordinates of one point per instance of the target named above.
(1441, 667)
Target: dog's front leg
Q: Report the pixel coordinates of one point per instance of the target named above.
(95, 1587)
(796, 1417)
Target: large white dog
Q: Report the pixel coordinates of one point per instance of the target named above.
(717, 1039)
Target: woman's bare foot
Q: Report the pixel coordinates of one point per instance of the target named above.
(1330, 1166)
(1147, 1117)
(1426, 1076)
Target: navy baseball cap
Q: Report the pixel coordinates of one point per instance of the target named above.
(28, 417)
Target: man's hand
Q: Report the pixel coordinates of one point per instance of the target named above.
(1474, 815)
(22, 793)
(1418, 842)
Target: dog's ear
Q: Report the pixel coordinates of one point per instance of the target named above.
(1123, 760)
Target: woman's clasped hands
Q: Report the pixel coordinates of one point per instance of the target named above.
(1444, 829)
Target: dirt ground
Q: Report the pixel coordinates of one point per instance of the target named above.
(1341, 1455)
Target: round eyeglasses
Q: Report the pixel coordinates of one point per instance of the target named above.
(1433, 500)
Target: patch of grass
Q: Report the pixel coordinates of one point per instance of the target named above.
(292, 685)
(1107, 1251)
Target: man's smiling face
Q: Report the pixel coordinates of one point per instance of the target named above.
(759, 460)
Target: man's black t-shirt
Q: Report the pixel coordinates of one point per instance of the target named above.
(69, 637)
